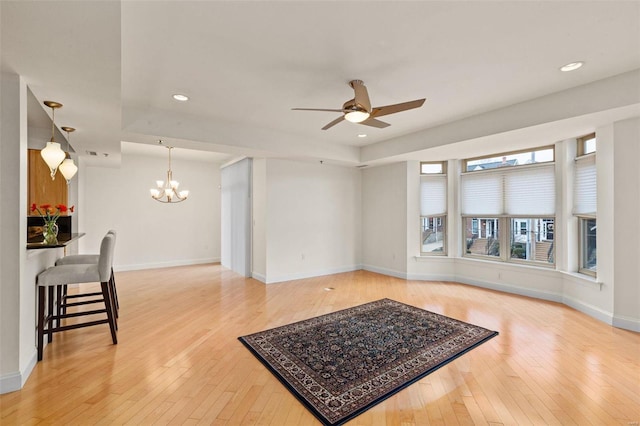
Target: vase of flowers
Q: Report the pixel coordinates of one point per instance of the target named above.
(50, 215)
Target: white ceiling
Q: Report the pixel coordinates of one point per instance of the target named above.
(244, 64)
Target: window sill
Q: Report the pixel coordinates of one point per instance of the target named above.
(583, 279)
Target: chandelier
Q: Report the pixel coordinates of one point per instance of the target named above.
(167, 191)
(52, 154)
(68, 167)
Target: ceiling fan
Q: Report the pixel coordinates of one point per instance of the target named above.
(359, 110)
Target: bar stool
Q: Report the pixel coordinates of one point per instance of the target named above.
(77, 259)
(57, 276)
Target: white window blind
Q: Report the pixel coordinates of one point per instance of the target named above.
(585, 195)
(433, 195)
(530, 191)
(482, 194)
(524, 191)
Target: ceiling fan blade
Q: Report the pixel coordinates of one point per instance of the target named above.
(392, 109)
(334, 122)
(316, 109)
(375, 123)
(361, 95)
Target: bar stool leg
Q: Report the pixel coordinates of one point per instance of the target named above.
(106, 293)
(50, 314)
(41, 314)
(59, 303)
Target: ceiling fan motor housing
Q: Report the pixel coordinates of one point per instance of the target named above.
(352, 105)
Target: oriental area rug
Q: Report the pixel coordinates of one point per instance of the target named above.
(341, 364)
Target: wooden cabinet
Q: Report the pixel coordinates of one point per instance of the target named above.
(41, 189)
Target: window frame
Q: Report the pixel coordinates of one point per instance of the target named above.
(504, 239)
(443, 217)
(443, 165)
(443, 252)
(581, 151)
(582, 219)
(466, 161)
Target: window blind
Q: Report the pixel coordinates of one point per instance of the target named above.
(585, 190)
(525, 191)
(433, 195)
(530, 191)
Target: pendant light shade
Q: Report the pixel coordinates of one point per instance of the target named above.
(52, 154)
(68, 167)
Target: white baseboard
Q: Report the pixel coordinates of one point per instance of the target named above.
(303, 275)
(508, 288)
(155, 265)
(259, 277)
(588, 309)
(15, 381)
(628, 323)
(429, 277)
(385, 271)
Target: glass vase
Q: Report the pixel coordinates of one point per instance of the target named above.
(50, 232)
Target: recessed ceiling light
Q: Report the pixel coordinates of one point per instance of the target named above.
(180, 97)
(362, 135)
(572, 66)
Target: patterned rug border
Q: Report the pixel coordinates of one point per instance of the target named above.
(382, 397)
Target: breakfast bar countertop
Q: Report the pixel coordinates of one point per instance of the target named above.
(62, 241)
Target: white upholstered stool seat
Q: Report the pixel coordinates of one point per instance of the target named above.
(57, 276)
(76, 259)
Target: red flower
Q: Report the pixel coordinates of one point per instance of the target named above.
(47, 211)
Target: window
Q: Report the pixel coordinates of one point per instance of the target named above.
(508, 207)
(587, 144)
(585, 204)
(588, 260)
(433, 208)
(482, 236)
(510, 159)
(532, 239)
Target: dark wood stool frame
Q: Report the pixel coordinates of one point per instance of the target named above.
(46, 320)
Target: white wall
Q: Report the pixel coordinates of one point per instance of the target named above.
(384, 219)
(17, 295)
(236, 217)
(626, 219)
(152, 234)
(259, 215)
(313, 215)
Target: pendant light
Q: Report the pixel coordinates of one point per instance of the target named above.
(68, 167)
(52, 154)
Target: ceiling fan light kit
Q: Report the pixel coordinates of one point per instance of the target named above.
(358, 110)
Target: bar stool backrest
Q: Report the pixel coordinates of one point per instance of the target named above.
(105, 263)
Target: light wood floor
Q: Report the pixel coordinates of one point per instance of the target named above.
(178, 360)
